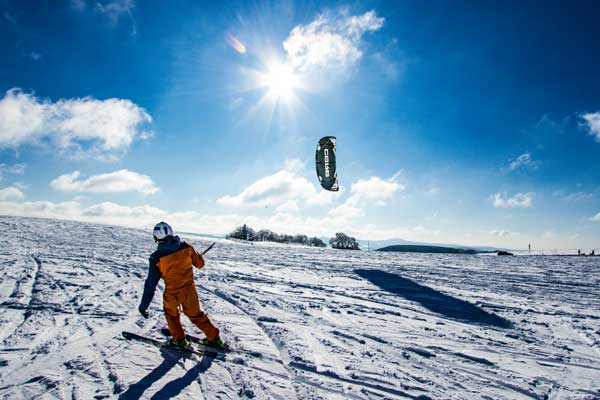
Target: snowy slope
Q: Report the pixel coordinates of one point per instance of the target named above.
(331, 324)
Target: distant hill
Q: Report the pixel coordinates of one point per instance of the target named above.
(410, 248)
(378, 244)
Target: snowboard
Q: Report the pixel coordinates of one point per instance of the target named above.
(197, 350)
(198, 343)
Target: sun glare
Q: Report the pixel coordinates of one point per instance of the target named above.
(280, 81)
(280, 88)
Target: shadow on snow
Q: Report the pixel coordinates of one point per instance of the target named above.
(172, 388)
(433, 300)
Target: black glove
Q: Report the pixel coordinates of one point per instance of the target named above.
(144, 313)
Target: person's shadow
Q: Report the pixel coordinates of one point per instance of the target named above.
(435, 301)
(172, 388)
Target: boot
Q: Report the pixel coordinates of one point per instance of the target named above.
(178, 344)
(217, 343)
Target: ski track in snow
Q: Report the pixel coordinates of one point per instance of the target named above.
(330, 324)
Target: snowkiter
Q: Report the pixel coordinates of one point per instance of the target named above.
(172, 261)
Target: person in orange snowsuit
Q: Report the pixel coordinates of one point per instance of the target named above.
(172, 261)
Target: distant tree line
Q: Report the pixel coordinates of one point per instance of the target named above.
(344, 242)
(340, 241)
(246, 233)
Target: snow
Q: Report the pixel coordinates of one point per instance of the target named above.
(330, 324)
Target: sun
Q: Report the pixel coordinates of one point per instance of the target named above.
(280, 88)
(280, 81)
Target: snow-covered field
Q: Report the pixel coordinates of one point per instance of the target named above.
(330, 324)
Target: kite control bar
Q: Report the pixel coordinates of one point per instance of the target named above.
(208, 248)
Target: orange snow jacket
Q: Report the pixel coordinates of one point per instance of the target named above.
(176, 268)
(172, 261)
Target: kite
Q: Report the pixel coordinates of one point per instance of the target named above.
(325, 160)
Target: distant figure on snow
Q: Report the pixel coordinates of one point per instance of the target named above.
(172, 261)
(578, 252)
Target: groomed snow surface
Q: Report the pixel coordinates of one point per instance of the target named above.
(330, 324)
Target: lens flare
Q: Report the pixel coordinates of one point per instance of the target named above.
(235, 43)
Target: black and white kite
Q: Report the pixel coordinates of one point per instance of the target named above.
(325, 160)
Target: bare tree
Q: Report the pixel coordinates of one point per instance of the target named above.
(343, 241)
(242, 232)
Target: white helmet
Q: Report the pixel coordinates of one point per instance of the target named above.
(161, 231)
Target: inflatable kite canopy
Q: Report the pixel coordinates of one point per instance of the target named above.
(325, 161)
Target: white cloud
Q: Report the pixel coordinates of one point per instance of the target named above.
(503, 233)
(294, 165)
(116, 8)
(145, 216)
(112, 10)
(523, 161)
(15, 169)
(83, 127)
(113, 182)
(290, 192)
(142, 216)
(11, 194)
(366, 192)
(21, 185)
(346, 211)
(331, 41)
(288, 207)
(578, 196)
(596, 217)
(518, 200)
(592, 122)
(278, 189)
(43, 209)
(108, 209)
(389, 68)
(374, 190)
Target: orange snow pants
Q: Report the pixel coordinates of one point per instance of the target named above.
(186, 298)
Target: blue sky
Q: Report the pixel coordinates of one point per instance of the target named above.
(469, 122)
